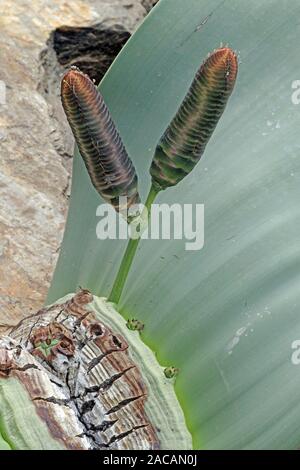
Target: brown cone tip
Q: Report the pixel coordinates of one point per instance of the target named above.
(75, 81)
(222, 59)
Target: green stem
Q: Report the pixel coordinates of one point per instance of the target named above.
(128, 257)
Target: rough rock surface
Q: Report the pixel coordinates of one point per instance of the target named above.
(34, 176)
(149, 4)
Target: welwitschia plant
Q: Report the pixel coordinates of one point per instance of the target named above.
(184, 141)
(71, 364)
(225, 317)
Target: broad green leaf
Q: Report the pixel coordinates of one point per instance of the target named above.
(225, 315)
(3, 444)
(20, 427)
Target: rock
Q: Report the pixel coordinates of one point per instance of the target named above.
(35, 164)
(91, 48)
(149, 4)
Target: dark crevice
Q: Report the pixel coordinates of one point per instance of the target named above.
(99, 428)
(65, 319)
(79, 414)
(56, 383)
(88, 390)
(117, 342)
(82, 343)
(24, 368)
(96, 330)
(107, 383)
(94, 362)
(121, 436)
(87, 406)
(7, 371)
(18, 325)
(91, 48)
(30, 331)
(123, 403)
(46, 364)
(103, 426)
(58, 315)
(56, 401)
